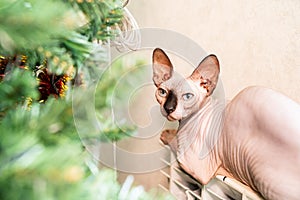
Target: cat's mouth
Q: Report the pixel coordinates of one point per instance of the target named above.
(171, 118)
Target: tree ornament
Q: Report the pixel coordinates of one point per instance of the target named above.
(129, 36)
(51, 84)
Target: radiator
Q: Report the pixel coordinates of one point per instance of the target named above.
(183, 186)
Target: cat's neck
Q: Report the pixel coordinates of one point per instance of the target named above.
(204, 109)
(202, 129)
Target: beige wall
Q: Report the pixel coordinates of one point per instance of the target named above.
(257, 42)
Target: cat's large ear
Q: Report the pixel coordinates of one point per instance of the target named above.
(207, 73)
(162, 67)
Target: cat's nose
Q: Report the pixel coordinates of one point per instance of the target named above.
(169, 110)
(171, 103)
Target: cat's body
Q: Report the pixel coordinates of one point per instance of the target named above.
(255, 138)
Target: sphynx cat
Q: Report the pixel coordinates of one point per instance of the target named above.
(255, 138)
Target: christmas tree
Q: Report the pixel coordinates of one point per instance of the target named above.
(44, 48)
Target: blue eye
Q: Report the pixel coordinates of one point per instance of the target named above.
(162, 92)
(187, 96)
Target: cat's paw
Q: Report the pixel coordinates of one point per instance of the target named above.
(167, 136)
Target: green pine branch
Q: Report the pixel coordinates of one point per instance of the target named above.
(27, 24)
(41, 156)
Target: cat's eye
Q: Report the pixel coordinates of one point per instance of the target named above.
(187, 96)
(162, 92)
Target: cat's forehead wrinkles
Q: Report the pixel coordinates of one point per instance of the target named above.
(174, 82)
(178, 85)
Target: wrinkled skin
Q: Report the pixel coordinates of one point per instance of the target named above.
(258, 144)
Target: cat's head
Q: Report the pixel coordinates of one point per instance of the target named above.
(180, 97)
